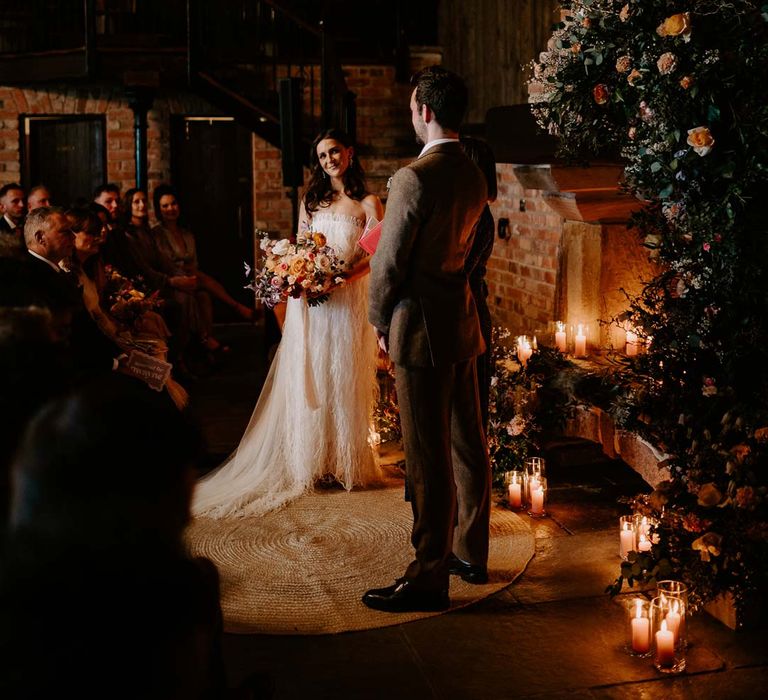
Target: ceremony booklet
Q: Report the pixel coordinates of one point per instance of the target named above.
(151, 370)
(370, 238)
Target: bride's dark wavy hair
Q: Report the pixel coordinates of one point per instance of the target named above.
(319, 191)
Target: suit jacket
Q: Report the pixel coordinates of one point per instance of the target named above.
(11, 240)
(419, 292)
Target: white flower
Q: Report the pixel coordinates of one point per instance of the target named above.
(282, 247)
(389, 183)
(516, 426)
(265, 243)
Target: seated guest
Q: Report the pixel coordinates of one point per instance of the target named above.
(98, 598)
(12, 222)
(50, 240)
(38, 196)
(177, 247)
(108, 195)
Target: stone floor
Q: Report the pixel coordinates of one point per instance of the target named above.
(553, 633)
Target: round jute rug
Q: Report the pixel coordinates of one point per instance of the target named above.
(304, 568)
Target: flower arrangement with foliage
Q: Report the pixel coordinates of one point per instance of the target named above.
(677, 88)
(125, 299)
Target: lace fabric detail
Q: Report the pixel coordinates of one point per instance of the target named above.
(314, 413)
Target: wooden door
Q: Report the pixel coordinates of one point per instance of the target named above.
(212, 169)
(65, 153)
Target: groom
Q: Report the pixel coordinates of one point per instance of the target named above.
(425, 317)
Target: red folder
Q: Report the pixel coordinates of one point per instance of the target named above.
(370, 238)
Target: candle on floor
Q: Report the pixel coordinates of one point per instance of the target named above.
(560, 338)
(641, 629)
(665, 646)
(580, 343)
(524, 349)
(644, 544)
(537, 499)
(515, 494)
(626, 536)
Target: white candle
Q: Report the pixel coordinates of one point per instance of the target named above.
(560, 339)
(644, 545)
(524, 350)
(674, 618)
(641, 631)
(515, 495)
(631, 344)
(665, 646)
(537, 499)
(580, 344)
(626, 540)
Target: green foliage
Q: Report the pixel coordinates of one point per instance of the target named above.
(680, 95)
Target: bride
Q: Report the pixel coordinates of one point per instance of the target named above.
(312, 419)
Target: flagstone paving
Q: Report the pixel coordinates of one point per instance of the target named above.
(553, 634)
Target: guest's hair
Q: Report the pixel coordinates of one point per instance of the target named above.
(37, 188)
(480, 153)
(160, 192)
(106, 187)
(319, 190)
(39, 220)
(85, 220)
(126, 206)
(110, 463)
(5, 189)
(444, 93)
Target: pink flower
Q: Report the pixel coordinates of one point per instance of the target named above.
(706, 247)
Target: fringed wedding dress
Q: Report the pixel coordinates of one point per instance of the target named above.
(313, 417)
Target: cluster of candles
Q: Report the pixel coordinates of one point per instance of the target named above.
(657, 627)
(632, 342)
(579, 343)
(527, 488)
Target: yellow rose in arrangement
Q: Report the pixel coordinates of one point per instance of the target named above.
(709, 543)
(319, 239)
(298, 267)
(676, 25)
(701, 139)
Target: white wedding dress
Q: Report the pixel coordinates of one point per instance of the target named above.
(313, 417)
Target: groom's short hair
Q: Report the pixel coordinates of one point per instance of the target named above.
(444, 93)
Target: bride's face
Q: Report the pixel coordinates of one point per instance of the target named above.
(334, 157)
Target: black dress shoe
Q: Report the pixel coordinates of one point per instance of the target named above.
(471, 573)
(403, 596)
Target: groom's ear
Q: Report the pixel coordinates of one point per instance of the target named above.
(427, 115)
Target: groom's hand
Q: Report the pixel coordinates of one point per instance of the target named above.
(382, 338)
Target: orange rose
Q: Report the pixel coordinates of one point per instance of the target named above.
(576, 48)
(701, 139)
(600, 93)
(686, 81)
(676, 25)
(298, 267)
(319, 239)
(624, 14)
(623, 64)
(634, 76)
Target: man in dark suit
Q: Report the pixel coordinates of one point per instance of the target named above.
(425, 316)
(50, 240)
(12, 221)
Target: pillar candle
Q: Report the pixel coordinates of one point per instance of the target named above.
(644, 545)
(515, 495)
(641, 631)
(673, 619)
(580, 344)
(626, 540)
(631, 344)
(665, 646)
(537, 499)
(560, 341)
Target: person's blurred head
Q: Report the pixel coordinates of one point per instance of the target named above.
(111, 464)
(89, 231)
(108, 196)
(39, 196)
(12, 202)
(166, 202)
(134, 208)
(444, 94)
(480, 153)
(47, 232)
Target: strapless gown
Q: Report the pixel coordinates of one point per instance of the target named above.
(313, 417)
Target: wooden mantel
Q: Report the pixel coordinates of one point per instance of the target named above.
(580, 193)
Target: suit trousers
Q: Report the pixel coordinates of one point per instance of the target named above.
(447, 468)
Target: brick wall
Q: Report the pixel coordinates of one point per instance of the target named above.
(523, 268)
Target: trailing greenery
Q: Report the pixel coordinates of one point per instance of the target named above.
(677, 88)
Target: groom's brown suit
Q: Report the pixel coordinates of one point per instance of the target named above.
(420, 298)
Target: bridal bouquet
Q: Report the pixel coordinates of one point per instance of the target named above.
(124, 300)
(309, 267)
